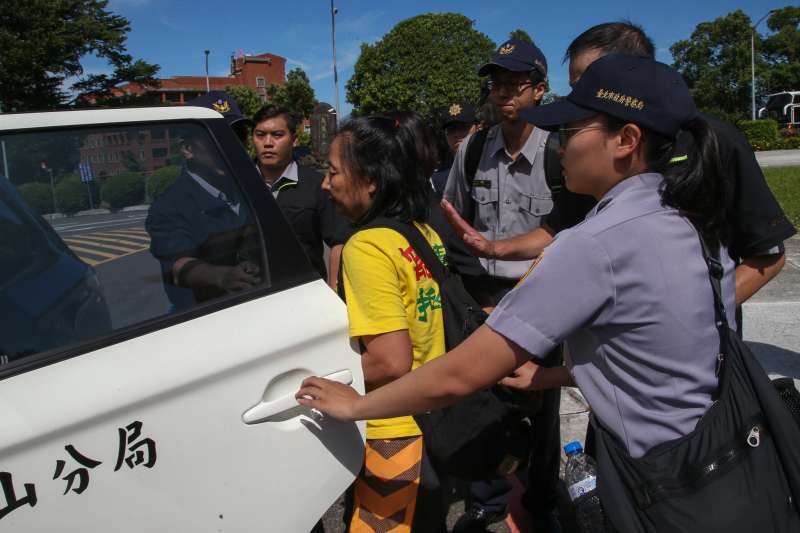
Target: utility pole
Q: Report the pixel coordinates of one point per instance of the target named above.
(52, 183)
(208, 86)
(334, 11)
(753, 61)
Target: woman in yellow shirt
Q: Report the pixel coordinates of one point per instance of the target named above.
(394, 311)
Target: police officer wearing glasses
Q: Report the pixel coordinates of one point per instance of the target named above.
(508, 196)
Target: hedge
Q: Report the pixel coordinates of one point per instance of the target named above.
(764, 135)
(160, 180)
(38, 196)
(760, 133)
(71, 194)
(123, 190)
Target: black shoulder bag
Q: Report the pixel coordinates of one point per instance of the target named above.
(485, 435)
(738, 471)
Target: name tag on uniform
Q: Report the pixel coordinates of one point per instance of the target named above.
(487, 184)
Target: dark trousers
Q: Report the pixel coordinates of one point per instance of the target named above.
(541, 477)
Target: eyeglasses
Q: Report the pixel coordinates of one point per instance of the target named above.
(565, 134)
(513, 86)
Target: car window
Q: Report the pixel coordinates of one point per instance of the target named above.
(103, 229)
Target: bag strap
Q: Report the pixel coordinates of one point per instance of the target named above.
(417, 241)
(553, 171)
(472, 158)
(715, 273)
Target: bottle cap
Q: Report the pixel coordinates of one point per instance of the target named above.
(573, 448)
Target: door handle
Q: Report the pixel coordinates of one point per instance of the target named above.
(265, 411)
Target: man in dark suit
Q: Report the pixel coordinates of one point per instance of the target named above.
(297, 189)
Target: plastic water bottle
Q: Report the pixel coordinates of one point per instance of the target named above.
(580, 477)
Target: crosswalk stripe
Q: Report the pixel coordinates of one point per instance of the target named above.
(77, 249)
(93, 239)
(90, 262)
(141, 238)
(100, 244)
(134, 231)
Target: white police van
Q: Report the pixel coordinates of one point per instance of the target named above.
(173, 408)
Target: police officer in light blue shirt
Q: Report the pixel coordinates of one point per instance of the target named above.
(628, 289)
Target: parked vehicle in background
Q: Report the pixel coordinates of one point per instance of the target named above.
(782, 107)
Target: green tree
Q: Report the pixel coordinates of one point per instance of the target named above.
(295, 94)
(246, 98)
(782, 52)
(715, 62)
(520, 34)
(421, 65)
(42, 43)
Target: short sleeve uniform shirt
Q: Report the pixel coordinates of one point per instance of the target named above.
(628, 290)
(509, 195)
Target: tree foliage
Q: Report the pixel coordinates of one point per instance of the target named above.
(295, 94)
(246, 98)
(782, 51)
(520, 34)
(42, 43)
(421, 65)
(715, 61)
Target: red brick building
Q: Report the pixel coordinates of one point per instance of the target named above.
(114, 152)
(256, 72)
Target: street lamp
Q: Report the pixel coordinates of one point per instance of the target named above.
(208, 86)
(52, 184)
(753, 59)
(334, 11)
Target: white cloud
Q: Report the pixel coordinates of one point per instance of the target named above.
(170, 24)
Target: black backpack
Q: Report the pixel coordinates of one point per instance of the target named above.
(485, 435)
(738, 470)
(552, 164)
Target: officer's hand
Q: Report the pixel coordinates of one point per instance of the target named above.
(523, 378)
(479, 245)
(331, 397)
(238, 277)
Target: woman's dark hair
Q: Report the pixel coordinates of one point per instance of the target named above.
(693, 182)
(383, 149)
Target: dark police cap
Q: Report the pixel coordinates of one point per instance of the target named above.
(517, 56)
(223, 103)
(459, 112)
(634, 89)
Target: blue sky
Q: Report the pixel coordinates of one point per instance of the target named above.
(174, 33)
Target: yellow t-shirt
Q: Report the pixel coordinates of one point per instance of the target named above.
(389, 288)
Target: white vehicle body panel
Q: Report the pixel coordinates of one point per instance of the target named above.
(188, 384)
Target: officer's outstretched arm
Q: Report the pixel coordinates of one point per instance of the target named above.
(520, 248)
(478, 362)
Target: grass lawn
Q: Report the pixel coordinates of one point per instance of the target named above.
(785, 185)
